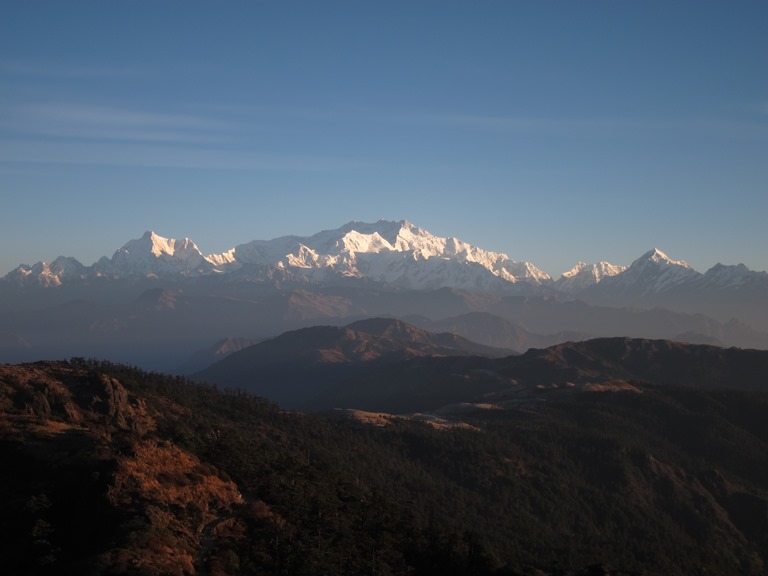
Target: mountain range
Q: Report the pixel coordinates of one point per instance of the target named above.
(398, 254)
(158, 302)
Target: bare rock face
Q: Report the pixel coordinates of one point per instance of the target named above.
(71, 412)
(115, 401)
(40, 406)
(103, 397)
(121, 410)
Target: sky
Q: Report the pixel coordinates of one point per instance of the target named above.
(554, 132)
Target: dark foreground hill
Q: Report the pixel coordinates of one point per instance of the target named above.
(388, 365)
(110, 470)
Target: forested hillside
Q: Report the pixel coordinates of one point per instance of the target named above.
(112, 470)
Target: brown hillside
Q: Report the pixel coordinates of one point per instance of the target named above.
(97, 443)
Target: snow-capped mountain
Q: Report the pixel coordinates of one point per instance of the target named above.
(584, 275)
(153, 255)
(46, 274)
(396, 253)
(722, 277)
(653, 273)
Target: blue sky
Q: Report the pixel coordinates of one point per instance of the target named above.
(551, 131)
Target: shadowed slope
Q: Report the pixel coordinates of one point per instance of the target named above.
(296, 366)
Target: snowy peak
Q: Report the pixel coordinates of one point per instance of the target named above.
(400, 235)
(596, 271)
(410, 237)
(46, 274)
(654, 272)
(722, 277)
(404, 251)
(584, 275)
(354, 241)
(155, 255)
(396, 253)
(159, 246)
(659, 258)
(224, 260)
(363, 237)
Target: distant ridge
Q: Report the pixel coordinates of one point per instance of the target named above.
(390, 366)
(435, 385)
(300, 364)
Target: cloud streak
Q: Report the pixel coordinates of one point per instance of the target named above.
(524, 124)
(104, 123)
(59, 133)
(161, 156)
(600, 127)
(28, 69)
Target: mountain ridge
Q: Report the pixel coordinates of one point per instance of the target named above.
(338, 248)
(385, 365)
(293, 364)
(395, 253)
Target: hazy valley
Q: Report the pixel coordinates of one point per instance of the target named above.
(158, 302)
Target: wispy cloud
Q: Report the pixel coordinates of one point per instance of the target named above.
(525, 124)
(601, 126)
(164, 156)
(35, 70)
(731, 129)
(68, 121)
(60, 133)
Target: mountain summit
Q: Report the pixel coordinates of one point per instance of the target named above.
(395, 253)
(584, 275)
(654, 272)
(155, 255)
